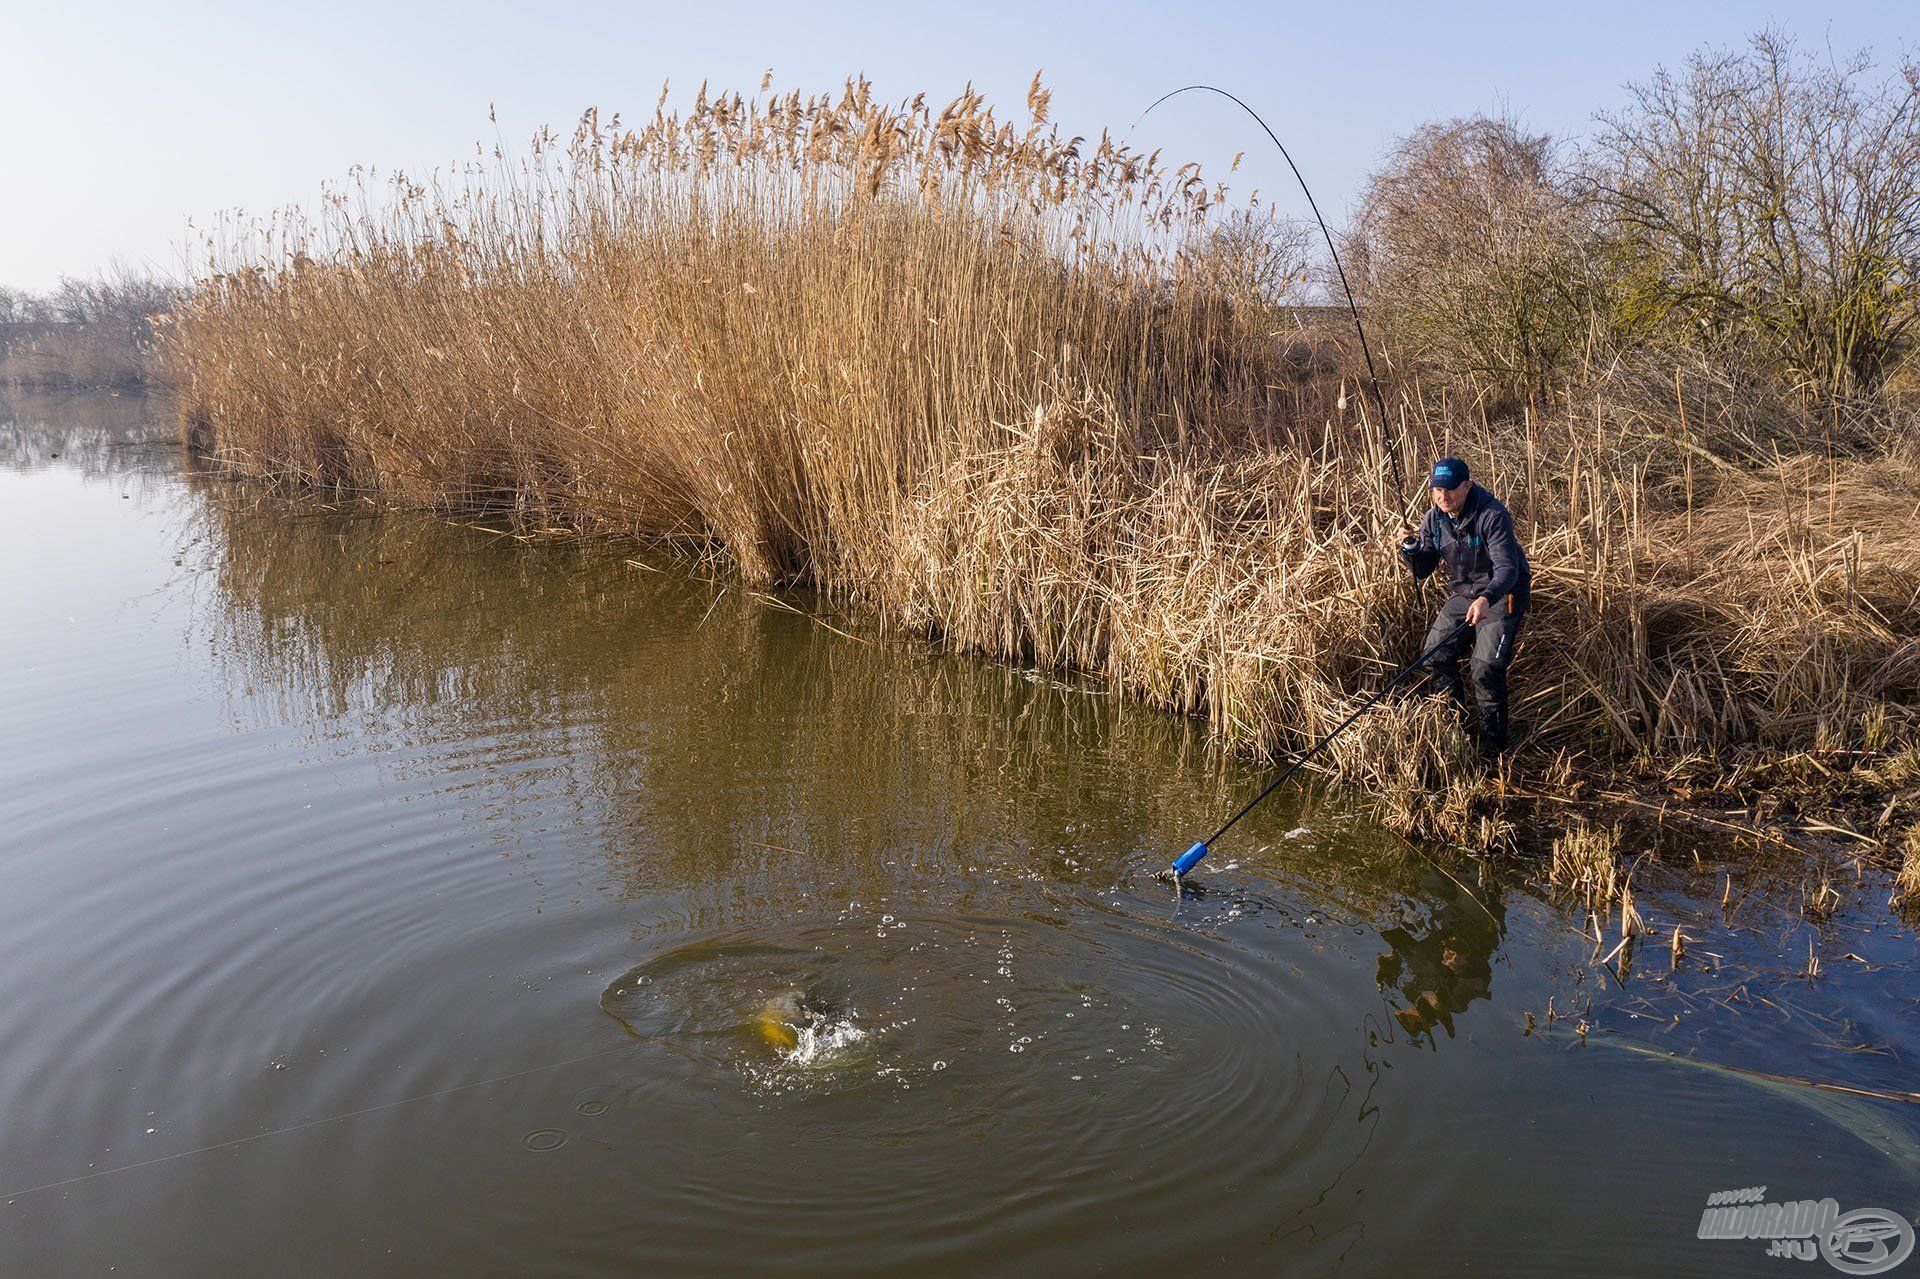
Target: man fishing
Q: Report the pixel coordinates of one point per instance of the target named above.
(1470, 530)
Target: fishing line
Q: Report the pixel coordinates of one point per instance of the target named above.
(312, 1123)
(1373, 380)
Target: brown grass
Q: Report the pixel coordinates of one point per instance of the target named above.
(1906, 885)
(985, 381)
(1585, 862)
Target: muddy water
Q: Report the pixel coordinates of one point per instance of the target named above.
(381, 896)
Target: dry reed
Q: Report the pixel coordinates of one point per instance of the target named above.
(1584, 861)
(985, 381)
(1906, 885)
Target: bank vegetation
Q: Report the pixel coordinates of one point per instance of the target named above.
(1052, 400)
(83, 334)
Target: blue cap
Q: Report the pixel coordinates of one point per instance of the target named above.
(1448, 473)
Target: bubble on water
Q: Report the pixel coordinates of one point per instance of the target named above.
(939, 1065)
(1016, 1048)
(1026, 1039)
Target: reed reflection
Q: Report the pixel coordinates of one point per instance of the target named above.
(709, 743)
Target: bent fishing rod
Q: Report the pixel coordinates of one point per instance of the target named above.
(1387, 440)
(1191, 858)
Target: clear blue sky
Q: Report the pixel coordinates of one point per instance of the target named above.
(119, 121)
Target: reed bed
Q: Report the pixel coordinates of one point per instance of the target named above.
(999, 387)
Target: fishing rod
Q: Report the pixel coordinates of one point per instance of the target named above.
(1373, 380)
(1191, 858)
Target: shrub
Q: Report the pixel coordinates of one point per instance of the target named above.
(1470, 253)
(1766, 205)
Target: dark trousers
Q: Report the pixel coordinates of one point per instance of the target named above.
(1491, 643)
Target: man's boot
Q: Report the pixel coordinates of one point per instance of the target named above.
(1490, 698)
(1493, 733)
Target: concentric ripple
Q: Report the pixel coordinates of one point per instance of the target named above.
(1076, 1065)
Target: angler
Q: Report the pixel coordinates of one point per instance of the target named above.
(1470, 531)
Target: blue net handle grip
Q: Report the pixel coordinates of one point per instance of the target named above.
(1189, 859)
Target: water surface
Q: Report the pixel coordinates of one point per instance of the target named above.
(386, 896)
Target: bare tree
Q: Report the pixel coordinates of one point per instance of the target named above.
(1468, 250)
(1769, 201)
(1263, 259)
(84, 332)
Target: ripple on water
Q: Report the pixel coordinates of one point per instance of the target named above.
(967, 1038)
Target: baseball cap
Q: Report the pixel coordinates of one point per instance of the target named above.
(1448, 472)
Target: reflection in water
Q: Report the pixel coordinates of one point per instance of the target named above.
(738, 736)
(100, 434)
(1443, 962)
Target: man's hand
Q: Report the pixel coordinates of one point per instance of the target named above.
(1478, 610)
(1407, 535)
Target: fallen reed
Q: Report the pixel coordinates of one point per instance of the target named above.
(998, 387)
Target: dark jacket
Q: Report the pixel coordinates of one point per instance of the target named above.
(1482, 555)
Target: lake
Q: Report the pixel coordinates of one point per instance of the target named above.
(390, 896)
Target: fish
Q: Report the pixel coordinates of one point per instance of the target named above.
(778, 1021)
